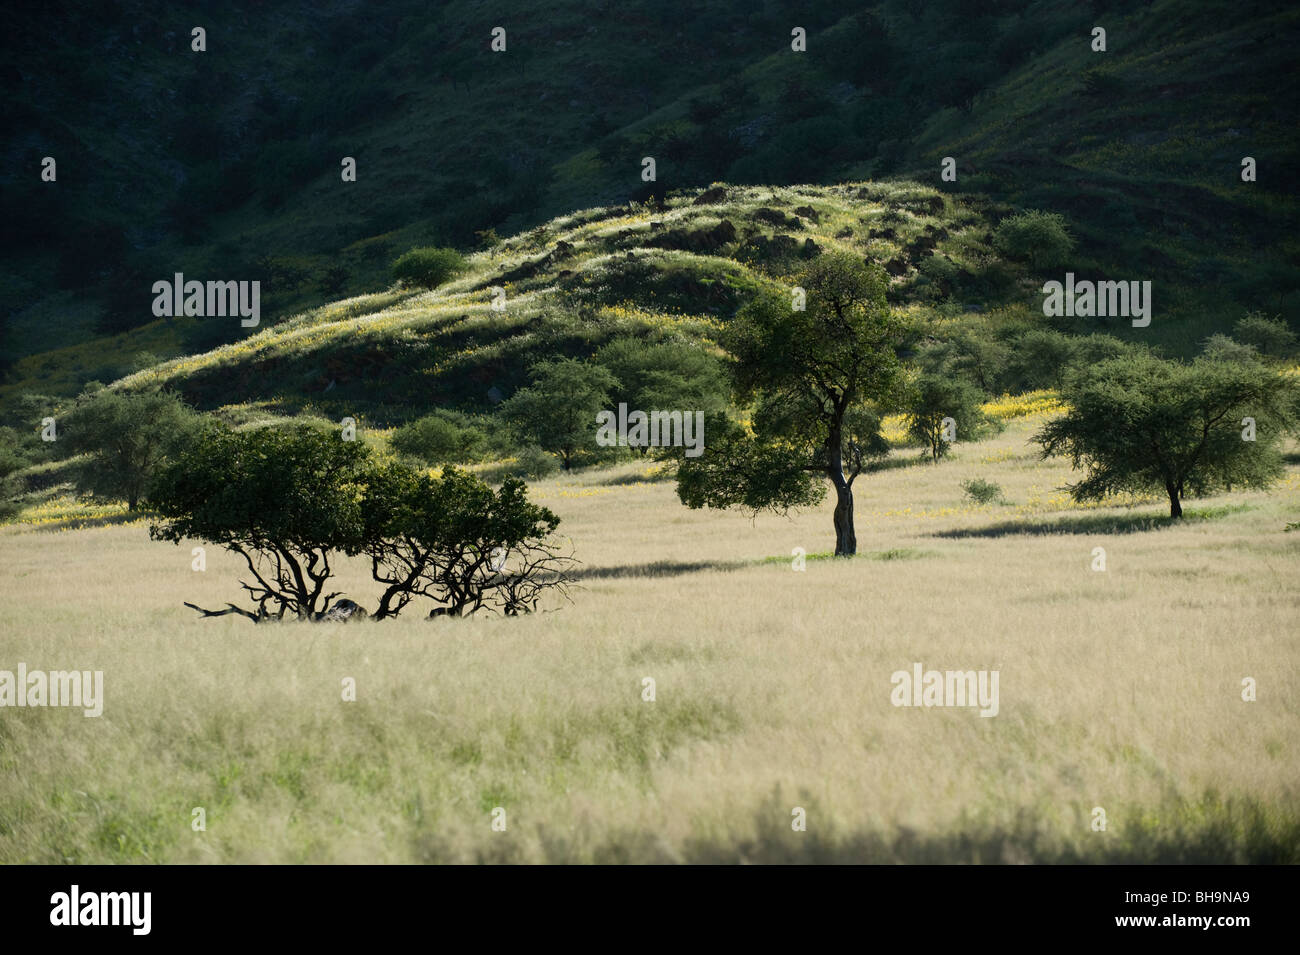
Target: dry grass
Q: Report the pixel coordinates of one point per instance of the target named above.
(1118, 689)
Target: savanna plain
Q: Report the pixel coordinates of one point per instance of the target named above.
(1120, 689)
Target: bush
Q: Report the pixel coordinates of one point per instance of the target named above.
(981, 491)
(1219, 347)
(1039, 238)
(437, 440)
(532, 462)
(1270, 336)
(428, 267)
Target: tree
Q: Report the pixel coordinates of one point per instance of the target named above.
(1042, 359)
(664, 376)
(285, 501)
(290, 502)
(127, 437)
(428, 267)
(1138, 423)
(941, 407)
(815, 378)
(459, 543)
(558, 411)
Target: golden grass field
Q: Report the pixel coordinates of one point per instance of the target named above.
(1119, 689)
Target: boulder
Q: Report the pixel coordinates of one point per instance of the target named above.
(345, 611)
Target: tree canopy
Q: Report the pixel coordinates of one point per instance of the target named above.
(815, 378)
(1139, 423)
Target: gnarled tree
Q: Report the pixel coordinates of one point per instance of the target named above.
(285, 501)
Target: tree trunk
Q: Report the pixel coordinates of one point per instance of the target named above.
(846, 539)
(1175, 505)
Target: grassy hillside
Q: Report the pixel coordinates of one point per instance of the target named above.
(575, 283)
(226, 163)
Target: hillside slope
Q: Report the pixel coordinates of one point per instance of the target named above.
(579, 281)
(226, 163)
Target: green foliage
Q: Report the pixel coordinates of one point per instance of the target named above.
(1039, 238)
(1270, 336)
(529, 461)
(284, 500)
(813, 376)
(289, 501)
(981, 491)
(1041, 358)
(428, 268)
(936, 398)
(664, 376)
(128, 437)
(557, 412)
(439, 439)
(12, 460)
(1219, 347)
(1139, 424)
(456, 541)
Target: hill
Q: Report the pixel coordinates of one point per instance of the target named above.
(580, 281)
(225, 163)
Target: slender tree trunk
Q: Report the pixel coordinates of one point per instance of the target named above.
(846, 539)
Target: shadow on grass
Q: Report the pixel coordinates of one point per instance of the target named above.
(1205, 832)
(654, 477)
(660, 568)
(1094, 523)
(896, 461)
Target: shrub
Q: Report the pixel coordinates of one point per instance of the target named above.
(981, 491)
(1039, 238)
(532, 462)
(437, 440)
(1219, 347)
(1271, 336)
(428, 267)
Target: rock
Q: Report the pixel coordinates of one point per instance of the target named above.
(710, 196)
(698, 241)
(345, 611)
(808, 212)
(777, 218)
